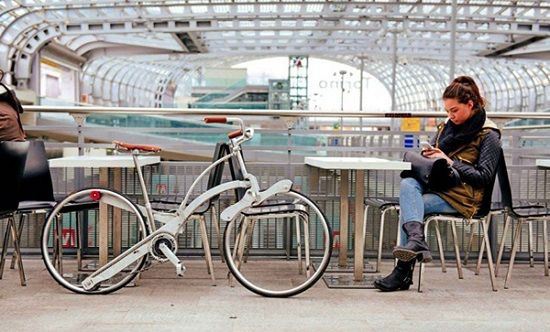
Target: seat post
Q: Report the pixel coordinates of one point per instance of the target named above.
(148, 207)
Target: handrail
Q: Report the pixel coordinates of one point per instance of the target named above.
(293, 138)
(282, 113)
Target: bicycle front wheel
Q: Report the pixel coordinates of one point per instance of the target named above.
(86, 230)
(280, 248)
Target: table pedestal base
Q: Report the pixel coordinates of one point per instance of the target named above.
(334, 266)
(337, 276)
(346, 280)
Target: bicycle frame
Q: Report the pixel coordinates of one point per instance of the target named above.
(174, 222)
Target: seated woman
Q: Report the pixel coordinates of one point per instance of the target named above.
(470, 143)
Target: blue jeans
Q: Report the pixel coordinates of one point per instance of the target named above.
(415, 203)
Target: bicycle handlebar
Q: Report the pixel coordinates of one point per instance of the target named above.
(235, 133)
(223, 119)
(215, 119)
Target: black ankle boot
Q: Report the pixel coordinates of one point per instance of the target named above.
(416, 247)
(399, 279)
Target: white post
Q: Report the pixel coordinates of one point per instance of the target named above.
(453, 42)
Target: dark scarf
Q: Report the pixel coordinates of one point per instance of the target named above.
(454, 136)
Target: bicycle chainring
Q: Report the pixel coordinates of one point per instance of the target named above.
(166, 238)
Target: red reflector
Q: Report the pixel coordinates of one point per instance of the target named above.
(95, 195)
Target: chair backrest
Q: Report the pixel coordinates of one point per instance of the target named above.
(12, 162)
(36, 184)
(237, 174)
(504, 183)
(488, 193)
(215, 177)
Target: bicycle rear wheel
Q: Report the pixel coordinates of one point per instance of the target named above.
(71, 238)
(297, 228)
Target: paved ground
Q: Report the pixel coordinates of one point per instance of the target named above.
(162, 302)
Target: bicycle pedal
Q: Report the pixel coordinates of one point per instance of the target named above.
(180, 269)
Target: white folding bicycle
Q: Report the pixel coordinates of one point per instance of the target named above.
(277, 217)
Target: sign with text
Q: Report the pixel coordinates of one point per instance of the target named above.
(410, 124)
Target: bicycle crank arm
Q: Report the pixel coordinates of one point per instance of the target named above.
(250, 199)
(180, 268)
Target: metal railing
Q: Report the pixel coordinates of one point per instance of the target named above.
(284, 160)
(278, 132)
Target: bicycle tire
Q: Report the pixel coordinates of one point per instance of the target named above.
(238, 265)
(59, 260)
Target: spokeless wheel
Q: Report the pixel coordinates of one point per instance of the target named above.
(293, 224)
(86, 230)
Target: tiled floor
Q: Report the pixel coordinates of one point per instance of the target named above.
(163, 302)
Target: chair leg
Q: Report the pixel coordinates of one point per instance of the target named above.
(485, 226)
(18, 250)
(206, 246)
(240, 250)
(421, 264)
(480, 255)
(216, 222)
(457, 251)
(501, 247)
(55, 242)
(515, 243)
(530, 244)
(19, 234)
(79, 241)
(420, 276)
(440, 246)
(380, 238)
(484, 223)
(398, 240)
(5, 247)
(59, 229)
(469, 246)
(249, 237)
(545, 239)
(238, 239)
(238, 229)
(298, 244)
(306, 245)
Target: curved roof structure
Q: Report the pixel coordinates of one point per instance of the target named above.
(429, 40)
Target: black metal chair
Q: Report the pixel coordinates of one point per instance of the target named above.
(523, 215)
(12, 163)
(483, 217)
(498, 208)
(267, 210)
(214, 179)
(384, 205)
(36, 196)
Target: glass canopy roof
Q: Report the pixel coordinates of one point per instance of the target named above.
(425, 34)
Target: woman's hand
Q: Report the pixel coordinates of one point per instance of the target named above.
(436, 153)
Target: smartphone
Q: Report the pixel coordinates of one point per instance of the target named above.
(426, 145)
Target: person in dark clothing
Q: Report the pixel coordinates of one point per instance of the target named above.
(10, 108)
(10, 127)
(470, 143)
